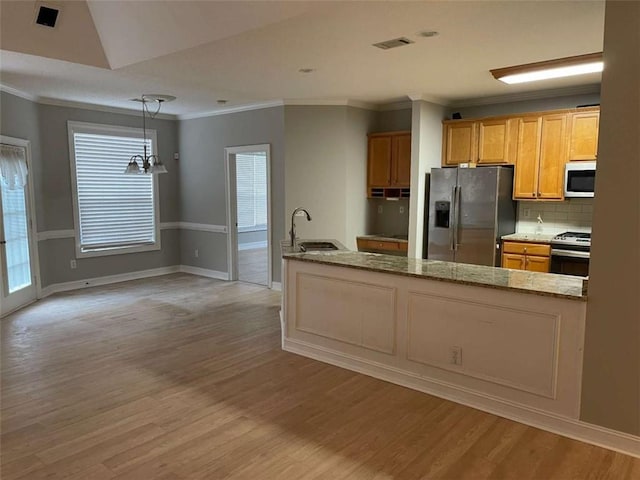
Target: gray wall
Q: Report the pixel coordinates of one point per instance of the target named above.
(325, 156)
(252, 237)
(202, 180)
(611, 378)
(46, 127)
(392, 120)
(388, 221)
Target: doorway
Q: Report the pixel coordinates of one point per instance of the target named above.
(249, 214)
(18, 255)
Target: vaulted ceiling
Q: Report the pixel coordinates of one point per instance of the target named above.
(107, 52)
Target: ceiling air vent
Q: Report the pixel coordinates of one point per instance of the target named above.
(396, 42)
(47, 16)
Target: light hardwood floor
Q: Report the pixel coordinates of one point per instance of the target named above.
(253, 265)
(182, 377)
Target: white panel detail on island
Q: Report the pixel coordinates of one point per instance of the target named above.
(503, 345)
(356, 313)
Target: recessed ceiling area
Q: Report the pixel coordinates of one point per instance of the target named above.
(251, 52)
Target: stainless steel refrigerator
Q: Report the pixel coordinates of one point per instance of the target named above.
(469, 210)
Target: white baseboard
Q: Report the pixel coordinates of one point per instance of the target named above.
(203, 272)
(125, 277)
(93, 282)
(568, 427)
(277, 286)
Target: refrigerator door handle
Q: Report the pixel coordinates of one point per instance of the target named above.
(456, 225)
(452, 220)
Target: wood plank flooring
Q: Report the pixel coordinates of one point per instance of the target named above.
(182, 377)
(253, 266)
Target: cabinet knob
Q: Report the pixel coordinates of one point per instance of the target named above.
(525, 249)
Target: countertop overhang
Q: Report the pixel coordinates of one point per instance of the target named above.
(545, 284)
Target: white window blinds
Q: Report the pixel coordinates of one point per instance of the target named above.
(251, 185)
(114, 209)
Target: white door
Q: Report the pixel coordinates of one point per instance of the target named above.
(17, 279)
(249, 213)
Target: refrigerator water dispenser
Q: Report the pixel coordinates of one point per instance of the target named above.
(442, 214)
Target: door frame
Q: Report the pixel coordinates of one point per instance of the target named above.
(31, 212)
(231, 198)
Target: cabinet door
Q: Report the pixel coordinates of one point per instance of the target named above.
(510, 260)
(553, 157)
(460, 143)
(537, 264)
(401, 160)
(379, 161)
(495, 141)
(583, 136)
(525, 183)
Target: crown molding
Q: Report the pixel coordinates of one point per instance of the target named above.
(428, 98)
(228, 110)
(524, 96)
(82, 105)
(406, 105)
(18, 93)
(54, 102)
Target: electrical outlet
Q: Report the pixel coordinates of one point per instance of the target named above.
(401, 209)
(73, 264)
(196, 253)
(527, 213)
(455, 355)
(379, 208)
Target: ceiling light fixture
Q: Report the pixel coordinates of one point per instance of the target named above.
(560, 67)
(429, 33)
(150, 163)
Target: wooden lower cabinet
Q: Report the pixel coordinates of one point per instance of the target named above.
(391, 247)
(534, 257)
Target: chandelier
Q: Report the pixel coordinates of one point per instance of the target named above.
(149, 163)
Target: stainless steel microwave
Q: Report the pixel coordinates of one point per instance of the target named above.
(579, 179)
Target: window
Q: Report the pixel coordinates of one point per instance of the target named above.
(114, 213)
(251, 179)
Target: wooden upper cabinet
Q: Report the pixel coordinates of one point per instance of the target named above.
(553, 157)
(401, 160)
(460, 143)
(496, 142)
(379, 161)
(389, 160)
(583, 135)
(525, 182)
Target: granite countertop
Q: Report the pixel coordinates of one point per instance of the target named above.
(529, 237)
(546, 284)
(387, 238)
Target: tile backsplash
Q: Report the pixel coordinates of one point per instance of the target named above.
(571, 215)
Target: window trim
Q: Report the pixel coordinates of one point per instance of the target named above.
(101, 129)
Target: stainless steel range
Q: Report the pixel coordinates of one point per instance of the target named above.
(570, 253)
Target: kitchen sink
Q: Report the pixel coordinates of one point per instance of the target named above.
(316, 246)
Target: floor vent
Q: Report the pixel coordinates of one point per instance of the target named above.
(396, 42)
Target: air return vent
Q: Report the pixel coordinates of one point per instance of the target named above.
(396, 42)
(47, 16)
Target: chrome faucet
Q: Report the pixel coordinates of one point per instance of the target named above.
(292, 232)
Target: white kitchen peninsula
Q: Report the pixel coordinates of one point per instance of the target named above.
(505, 341)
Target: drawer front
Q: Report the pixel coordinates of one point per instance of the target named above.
(378, 245)
(521, 248)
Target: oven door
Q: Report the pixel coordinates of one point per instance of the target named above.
(569, 262)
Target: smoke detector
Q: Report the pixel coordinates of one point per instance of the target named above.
(394, 43)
